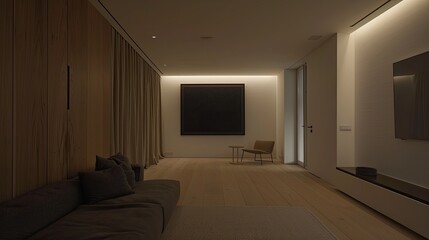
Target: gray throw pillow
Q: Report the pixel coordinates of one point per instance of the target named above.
(117, 159)
(123, 161)
(104, 184)
(102, 163)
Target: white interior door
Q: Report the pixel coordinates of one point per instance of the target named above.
(321, 117)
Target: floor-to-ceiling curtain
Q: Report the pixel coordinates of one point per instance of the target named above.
(136, 105)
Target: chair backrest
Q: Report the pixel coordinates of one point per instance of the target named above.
(266, 146)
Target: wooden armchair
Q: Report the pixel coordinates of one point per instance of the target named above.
(260, 147)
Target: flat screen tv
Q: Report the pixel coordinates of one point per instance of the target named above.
(411, 97)
(212, 109)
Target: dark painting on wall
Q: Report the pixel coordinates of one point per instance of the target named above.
(212, 109)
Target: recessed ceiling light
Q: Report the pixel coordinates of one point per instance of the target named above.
(153, 36)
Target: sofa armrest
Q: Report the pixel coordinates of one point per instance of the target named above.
(138, 171)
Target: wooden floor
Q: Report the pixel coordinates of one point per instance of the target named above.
(214, 181)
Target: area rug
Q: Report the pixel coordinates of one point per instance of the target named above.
(240, 223)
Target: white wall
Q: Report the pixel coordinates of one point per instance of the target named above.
(400, 33)
(346, 100)
(260, 113)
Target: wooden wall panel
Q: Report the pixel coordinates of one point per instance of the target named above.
(41, 139)
(99, 85)
(30, 94)
(57, 90)
(6, 99)
(78, 61)
(107, 61)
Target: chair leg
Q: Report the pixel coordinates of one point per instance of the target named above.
(260, 155)
(242, 154)
(272, 158)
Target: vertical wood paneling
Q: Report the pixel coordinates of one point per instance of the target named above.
(95, 85)
(78, 61)
(6, 99)
(107, 57)
(39, 137)
(99, 66)
(57, 90)
(30, 94)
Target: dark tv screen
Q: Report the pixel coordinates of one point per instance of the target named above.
(411, 97)
(212, 109)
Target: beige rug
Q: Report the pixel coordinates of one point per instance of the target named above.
(240, 223)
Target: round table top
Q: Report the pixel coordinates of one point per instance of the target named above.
(236, 146)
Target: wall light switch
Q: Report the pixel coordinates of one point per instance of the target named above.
(345, 128)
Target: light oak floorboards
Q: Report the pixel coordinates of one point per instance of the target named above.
(214, 182)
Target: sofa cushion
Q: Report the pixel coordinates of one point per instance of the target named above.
(162, 192)
(115, 221)
(104, 184)
(27, 214)
(117, 159)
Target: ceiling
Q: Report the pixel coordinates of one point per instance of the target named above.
(248, 37)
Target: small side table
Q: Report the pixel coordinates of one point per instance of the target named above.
(235, 149)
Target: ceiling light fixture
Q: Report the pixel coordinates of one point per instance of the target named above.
(369, 14)
(153, 36)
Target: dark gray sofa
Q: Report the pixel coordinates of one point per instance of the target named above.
(57, 211)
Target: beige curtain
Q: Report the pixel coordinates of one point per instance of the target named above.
(136, 105)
